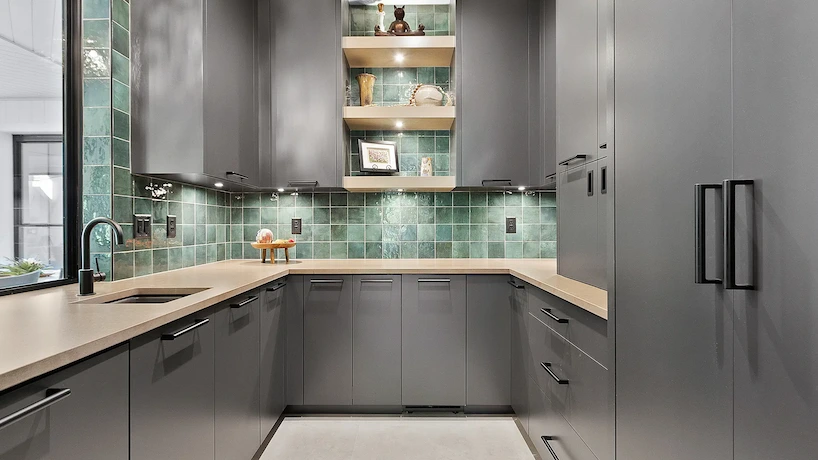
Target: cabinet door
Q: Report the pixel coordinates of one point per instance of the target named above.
(308, 98)
(294, 339)
(578, 208)
(576, 23)
(273, 362)
(434, 340)
(236, 324)
(91, 423)
(520, 354)
(172, 391)
(376, 326)
(493, 92)
(488, 341)
(328, 340)
(546, 421)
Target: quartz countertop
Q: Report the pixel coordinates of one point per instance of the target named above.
(41, 331)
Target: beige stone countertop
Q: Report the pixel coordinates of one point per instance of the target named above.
(41, 331)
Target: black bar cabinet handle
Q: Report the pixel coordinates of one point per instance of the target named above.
(547, 367)
(377, 281)
(52, 396)
(603, 180)
(547, 312)
(276, 287)
(515, 285)
(233, 173)
(545, 440)
(434, 280)
(729, 187)
(701, 234)
(245, 302)
(590, 182)
(326, 281)
(175, 335)
(496, 181)
(580, 156)
(302, 183)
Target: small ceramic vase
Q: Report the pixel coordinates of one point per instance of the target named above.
(426, 167)
(366, 81)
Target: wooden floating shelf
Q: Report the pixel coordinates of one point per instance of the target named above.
(426, 51)
(413, 118)
(393, 183)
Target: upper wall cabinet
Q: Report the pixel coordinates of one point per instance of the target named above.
(307, 94)
(194, 93)
(497, 49)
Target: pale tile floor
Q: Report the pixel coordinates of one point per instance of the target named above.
(397, 438)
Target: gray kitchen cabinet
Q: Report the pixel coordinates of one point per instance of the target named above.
(498, 93)
(83, 414)
(603, 192)
(520, 350)
(578, 226)
(434, 340)
(294, 340)
(307, 93)
(272, 364)
(376, 343)
(488, 341)
(547, 128)
(237, 345)
(195, 70)
(577, 81)
(551, 434)
(327, 340)
(172, 390)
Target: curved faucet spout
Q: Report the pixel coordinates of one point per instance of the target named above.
(86, 274)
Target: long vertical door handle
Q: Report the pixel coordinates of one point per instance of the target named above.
(729, 187)
(701, 234)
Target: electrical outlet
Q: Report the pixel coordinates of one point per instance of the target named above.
(141, 226)
(171, 226)
(296, 227)
(511, 225)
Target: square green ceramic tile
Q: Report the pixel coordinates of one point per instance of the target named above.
(339, 250)
(96, 33)
(478, 233)
(443, 215)
(96, 180)
(120, 40)
(96, 122)
(531, 249)
(249, 233)
(514, 250)
(409, 250)
(514, 199)
(96, 151)
(548, 199)
(442, 73)
(496, 199)
(96, 92)
(444, 233)
(531, 200)
(548, 249)
(496, 215)
(460, 233)
(515, 211)
(374, 251)
(175, 259)
(374, 233)
(496, 250)
(338, 233)
(356, 215)
(236, 251)
(374, 215)
(188, 234)
(321, 216)
(548, 215)
(269, 216)
(143, 263)
(355, 233)
(531, 215)
(478, 250)
(201, 255)
(338, 215)
(460, 215)
(478, 199)
(409, 215)
(496, 232)
(356, 250)
(123, 265)
(460, 250)
(212, 253)
(303, 200)
(122, 125)
(442, 250)
(321, 233)
(92, 9)
(391, 250)
(121, 68)
(548, 232)
(426, 233)
(121, 97)
(478, 215)
(121, 13)
(123, 209)
(460, 199)
(373, 199)
(96, 62)
(531, 232)
(426, 145)
(252, 216)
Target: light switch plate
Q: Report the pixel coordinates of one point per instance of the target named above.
(171, 226)
(511, 225)
(296, 227)
(141, 226)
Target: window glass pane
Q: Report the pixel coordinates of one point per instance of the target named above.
(32, 186)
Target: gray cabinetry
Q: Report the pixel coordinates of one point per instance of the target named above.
(578, 253)
(434, 340)
(172, 390)
(488, 341)
(194, 71)
(376, 340)
(84, 413)
(294, 340)
(236, 326)
(327, 340)
(495, 93)
(307, 92)
(272, 355)
(520, 352)
(548, 426)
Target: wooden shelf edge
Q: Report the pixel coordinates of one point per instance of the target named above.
(413, 118)
(393, 183)
(427, 41)
(375, 52)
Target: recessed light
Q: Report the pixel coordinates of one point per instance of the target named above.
(398, 124)
(521, 188)
(281, 190)
(218, 185)
(400, 189)
(399, 57)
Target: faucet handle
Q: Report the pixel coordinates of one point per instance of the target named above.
(98, 276)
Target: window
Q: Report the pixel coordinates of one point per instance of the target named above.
(40, 122)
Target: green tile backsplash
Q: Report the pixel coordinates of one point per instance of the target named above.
(435, 18)
(411, 145)
(394, 86)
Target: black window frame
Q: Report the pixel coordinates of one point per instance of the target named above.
(72, 147)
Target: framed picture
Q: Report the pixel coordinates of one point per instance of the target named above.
(378, 156)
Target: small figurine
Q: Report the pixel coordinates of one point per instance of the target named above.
(381, 15)
(400, 27)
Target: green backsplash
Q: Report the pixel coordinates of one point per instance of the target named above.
(394, 86)
(399, 225)
(435, 18)
(411, 145)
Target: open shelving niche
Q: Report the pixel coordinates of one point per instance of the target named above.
(369, 52)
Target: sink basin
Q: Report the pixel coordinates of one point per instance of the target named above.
(141, 296)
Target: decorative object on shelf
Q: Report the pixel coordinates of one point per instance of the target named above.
(20, 272)
(265, 235)
(277, 244)
(430, 95)
(426, 169)
(381, 16)
(366, 81)
(399, 27)
(378, 156)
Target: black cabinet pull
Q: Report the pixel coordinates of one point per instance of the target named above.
(604, 146)
(175, 335)
(326, 281)
(547, 367)
(276, 287)
(580, 156)
(302, 183)
(515, 285)
(591, 182)
(729, 188)
(233, 173)
(496, 181)
(547, 312)
(52, 396)
(545, 440)
(434, 280)
(376, 281)
(701, 234)
(245, 302)
(603, 180)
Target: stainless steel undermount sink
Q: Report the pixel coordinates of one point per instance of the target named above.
(150, 296)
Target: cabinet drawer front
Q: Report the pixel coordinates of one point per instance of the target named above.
(585, 330)
(583, 400)
(545, 420)
(273, 354)
(96, 409)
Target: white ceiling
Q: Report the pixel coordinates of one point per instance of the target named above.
(30, 49)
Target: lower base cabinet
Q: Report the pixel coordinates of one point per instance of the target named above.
(172, 391)
(520, 352)
(236, 325)
(488, 341)
(551, 434)
(87, 418)
(273, 355)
